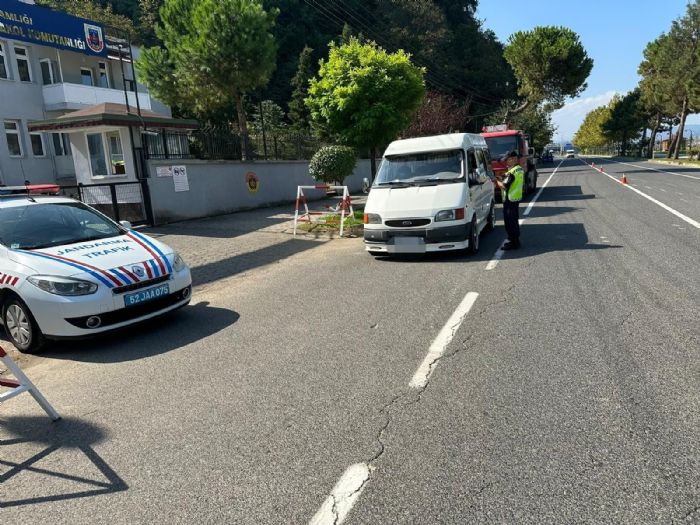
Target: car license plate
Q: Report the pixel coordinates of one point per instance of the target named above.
(150, 294)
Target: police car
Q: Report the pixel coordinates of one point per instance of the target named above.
(67, 271)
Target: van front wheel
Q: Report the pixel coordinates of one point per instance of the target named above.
(473, 247)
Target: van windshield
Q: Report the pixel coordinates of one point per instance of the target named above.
(416, 168)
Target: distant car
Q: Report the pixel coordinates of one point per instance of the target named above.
(67, 271)
(570, 154)
(547, 156)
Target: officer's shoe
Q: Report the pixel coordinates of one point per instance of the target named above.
(511, 246)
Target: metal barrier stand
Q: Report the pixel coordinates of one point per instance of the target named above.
(22, 384)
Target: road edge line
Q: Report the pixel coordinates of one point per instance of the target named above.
(666, 207)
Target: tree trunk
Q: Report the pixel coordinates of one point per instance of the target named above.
(641, 142)
(373, 161)
(522, 107)
(652, 138)
(242, 126)
(681, 129)
(671, 143)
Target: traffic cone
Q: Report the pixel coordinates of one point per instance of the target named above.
(623, 180)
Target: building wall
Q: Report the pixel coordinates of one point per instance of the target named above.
(24, 102)
(217, 188)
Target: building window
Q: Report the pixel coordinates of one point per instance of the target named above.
(116, 155)
(25, 72)
(49, 72)
(104, 75)
(61, 144)
(14, 144)
(86, 77)
(37, 140)
(97, 154)
(3, 62)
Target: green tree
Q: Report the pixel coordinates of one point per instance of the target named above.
(534, 120)
(654, 96)
(214, 52)
(298, 112)
(365, 95)
(550, 64)
(625, 120)
(681, 54)
(332, 164)
(438, 114)
(590, 135)
(148, 18)
(269, 117)
(92, 10)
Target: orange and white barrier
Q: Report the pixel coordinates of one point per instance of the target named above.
(344, 207)
(22, 384)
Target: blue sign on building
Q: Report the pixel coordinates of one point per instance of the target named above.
(45, 27)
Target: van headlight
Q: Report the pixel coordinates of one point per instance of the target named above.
(178, 263)
(450, 215)
(372, 218)
(62, 285)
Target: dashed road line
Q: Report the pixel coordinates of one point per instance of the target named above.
(498, 255)
(437, 349)
(666, 207)
(347, 490)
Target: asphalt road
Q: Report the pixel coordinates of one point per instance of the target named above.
(568, 393)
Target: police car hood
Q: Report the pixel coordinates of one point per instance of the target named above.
(120, 260)
(414, 201)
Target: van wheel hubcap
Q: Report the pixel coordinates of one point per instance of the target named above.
(18, 325)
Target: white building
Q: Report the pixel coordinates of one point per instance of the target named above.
(52, 66)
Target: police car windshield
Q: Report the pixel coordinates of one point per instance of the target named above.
(419, 168)
(37, 226)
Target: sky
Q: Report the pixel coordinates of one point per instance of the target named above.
(613, 32)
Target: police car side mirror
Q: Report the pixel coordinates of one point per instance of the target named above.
(126, 224)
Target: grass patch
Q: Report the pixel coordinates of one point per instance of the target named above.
(331, 223)
(679, 162)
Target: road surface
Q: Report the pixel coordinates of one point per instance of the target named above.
(556, 384)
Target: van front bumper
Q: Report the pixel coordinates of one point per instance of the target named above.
(455, 237)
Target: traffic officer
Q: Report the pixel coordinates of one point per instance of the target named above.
(512, 192)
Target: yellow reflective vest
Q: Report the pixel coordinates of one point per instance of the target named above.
(514, 191)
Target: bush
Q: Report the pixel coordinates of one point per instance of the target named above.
(332, 164)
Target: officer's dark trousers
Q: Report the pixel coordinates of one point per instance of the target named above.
(510, 217)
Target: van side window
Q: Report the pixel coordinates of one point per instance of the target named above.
(481, 166)
(471, 165)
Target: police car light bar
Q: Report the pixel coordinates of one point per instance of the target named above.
(30, 189)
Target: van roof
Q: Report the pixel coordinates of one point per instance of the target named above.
(435, 143)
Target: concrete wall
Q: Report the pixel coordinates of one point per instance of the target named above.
(217, 188)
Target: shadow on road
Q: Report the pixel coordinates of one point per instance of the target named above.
(543, 238)
(244, 262)
(536, 239)
(153, 337)
(63, 434)
(564, 193)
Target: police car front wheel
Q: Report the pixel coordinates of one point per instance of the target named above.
(21, 327)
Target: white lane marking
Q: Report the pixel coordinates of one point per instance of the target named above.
(437, 349)
(661, 189)
(666, 207)
(343, 496)
(499, 252)
(654, 169)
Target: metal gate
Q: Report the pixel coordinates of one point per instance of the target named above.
(121, 201)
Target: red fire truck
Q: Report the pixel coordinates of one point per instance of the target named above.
(502, 140)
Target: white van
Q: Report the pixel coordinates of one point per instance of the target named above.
(431, 194)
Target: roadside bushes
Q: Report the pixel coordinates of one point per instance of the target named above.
(332, 164)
